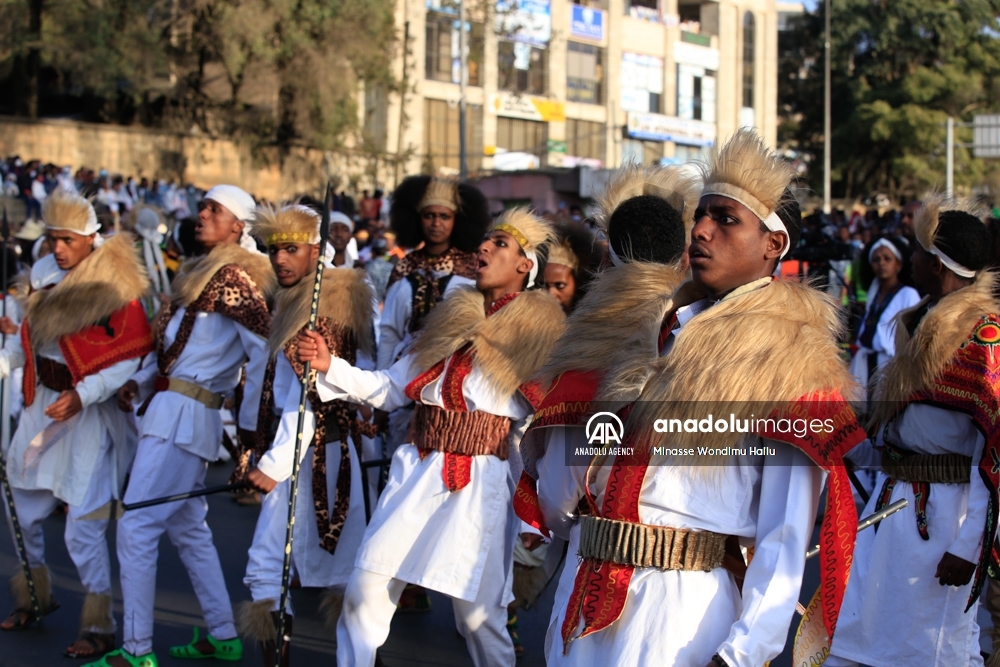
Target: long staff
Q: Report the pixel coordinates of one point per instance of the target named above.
(324, 230)
(8, 495)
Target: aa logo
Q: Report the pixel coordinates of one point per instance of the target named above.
(604, 428)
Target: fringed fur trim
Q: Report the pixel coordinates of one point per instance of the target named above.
(291, 224)
(745, 170)
(928, 216)
(43, 588)
(746, 356)
(510, 345)
(921, 359)
(96, 614)
(255, 622)
(346, 298)
(196, 273)
(670, 183)
(331, 605)
(110, 278)
(618, 319)
(993, 660)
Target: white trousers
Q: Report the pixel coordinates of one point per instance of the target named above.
(85, 540)
(371, 599)
(161, 469)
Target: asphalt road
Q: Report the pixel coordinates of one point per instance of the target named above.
(419, 640)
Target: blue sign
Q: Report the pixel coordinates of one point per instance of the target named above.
(587, 23)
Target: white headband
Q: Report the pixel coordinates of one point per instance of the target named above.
(615, 259)
(530, 254)
(772, 222)
(955, 267)
(336, 217)
(885, 243)
(239, 203)
(91, 227)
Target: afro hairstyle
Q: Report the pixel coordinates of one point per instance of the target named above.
(471, 220)
(647, 229)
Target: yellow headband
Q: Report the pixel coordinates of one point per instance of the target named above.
(521, 239)
(288, 237)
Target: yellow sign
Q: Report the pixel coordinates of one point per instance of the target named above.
(528, 108)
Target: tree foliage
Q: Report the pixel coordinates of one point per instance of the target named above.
(268, 71)
(899, 69)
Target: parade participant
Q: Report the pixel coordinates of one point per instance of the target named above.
(934, 405)
(571, 263)
(886, 297)
(216, 323)
(84, 333)
(645, 211)
(444, 520)
(330, 517)
(449, 218)
(749, 346)
(342, 249)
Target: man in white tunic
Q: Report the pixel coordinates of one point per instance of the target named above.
(329, 511)
(651, 587)
(216, 323)
(445, 519)
(84, 333)
(915, 583)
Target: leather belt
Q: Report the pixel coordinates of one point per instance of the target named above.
(643, 545)
(209, 399)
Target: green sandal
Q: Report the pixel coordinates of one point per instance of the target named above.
(148, 660)
(225, 649)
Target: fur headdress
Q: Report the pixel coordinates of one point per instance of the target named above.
(290, 224)
(68, 212)
(530, 231)
(472, 214)
(671, 184)
(952, 229)
(576, 248)
(440, 192)
(745, 171)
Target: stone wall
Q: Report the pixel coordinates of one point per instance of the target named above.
(186, 158)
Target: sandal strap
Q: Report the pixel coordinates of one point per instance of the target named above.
(147, 660)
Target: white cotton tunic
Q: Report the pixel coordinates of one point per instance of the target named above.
(64, 459)
(395, 338)
(315, 566)
(684, 617)
(213, 358)
(895, 611)
(420, 532)
(884, 340)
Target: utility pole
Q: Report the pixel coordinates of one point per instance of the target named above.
(463, 167)
(949, 176)
(826, 114)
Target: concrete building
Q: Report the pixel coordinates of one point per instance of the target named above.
(556, 84)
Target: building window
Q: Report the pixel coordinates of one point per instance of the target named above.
(441, 135)
(442, 61)
(585, 74)
(641, 83)
(695, 93)
(648, 10)
(585, 139)
(522, 136)
(522, 67)
(635, 151)
(748, 59)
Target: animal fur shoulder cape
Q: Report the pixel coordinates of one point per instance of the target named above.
(618, 319)
(920, 360)
(953, 362)
(345, 299)
(509, 346)
(110, 278)
(196, 273)
(753, 354)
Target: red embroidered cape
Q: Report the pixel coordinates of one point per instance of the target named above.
(970, 383)
(125, 335)
(601, 588)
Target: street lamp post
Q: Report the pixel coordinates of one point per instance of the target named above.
(463, 81)
(826, 113)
